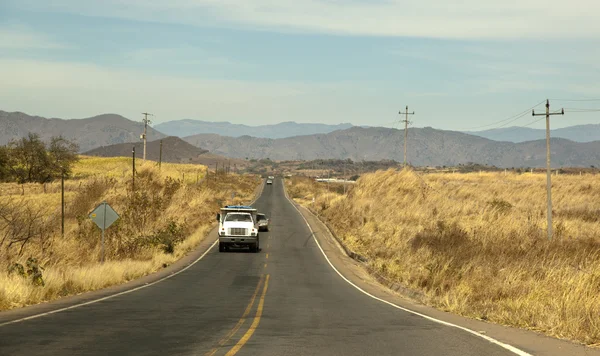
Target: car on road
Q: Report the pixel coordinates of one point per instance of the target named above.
(271, 177)
(269, 181)
(263, 222)
(238, 227)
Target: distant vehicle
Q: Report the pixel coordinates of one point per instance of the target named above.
(271, 177)
(238, 227)
(269, 181)
(263, 222)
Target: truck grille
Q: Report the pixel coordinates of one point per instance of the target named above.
(238, 231)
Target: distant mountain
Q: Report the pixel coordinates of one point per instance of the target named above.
(89, 133)
(184, 128)
(175, 150)
(578, 133)
(427, 147)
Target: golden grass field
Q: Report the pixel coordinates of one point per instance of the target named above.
(167, 205)
(475, 244)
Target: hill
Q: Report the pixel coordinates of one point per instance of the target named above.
(175, 150)
(427, 147)
(577, 133)
(89, 133)
(184, 128)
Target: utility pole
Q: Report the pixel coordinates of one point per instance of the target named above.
(548, 171)
(160, 155)
(146, 121)
(62, 202)
(133, 171)
(406, 122)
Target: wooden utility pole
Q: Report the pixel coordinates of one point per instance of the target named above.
(160, 155)
(146, 122)
(133, 170)
(548, 170)
(62, 203)
(406, 122)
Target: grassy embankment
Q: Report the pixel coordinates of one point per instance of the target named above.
(475, 244)
(167, 216)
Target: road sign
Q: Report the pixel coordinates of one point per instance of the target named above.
(104, 216)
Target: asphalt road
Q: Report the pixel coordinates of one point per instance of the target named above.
(284, 300)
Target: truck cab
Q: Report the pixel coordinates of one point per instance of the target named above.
(238, 227)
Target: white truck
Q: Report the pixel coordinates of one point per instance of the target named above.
(238, 227)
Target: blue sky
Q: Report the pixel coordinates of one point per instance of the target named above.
(459, 66)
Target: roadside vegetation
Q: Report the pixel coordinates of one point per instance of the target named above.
(170, 211)
(475, 244)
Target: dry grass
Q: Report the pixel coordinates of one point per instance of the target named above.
(475, 244)
(158, 225)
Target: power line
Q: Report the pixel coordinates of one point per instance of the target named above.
(507, 120)
(582, 110)
(576, 99)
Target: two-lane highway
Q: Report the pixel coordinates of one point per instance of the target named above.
(285, 300)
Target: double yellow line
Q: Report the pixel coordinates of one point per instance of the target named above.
(234, 350)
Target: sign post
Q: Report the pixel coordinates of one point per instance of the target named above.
(104, 216)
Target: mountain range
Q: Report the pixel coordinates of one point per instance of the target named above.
(426, 147)
(577, 133)
(101, 130)
(184, 128)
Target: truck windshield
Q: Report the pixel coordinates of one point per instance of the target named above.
(238, 217)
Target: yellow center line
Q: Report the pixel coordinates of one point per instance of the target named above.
(267, 256)
(254, 325)
(240, 322)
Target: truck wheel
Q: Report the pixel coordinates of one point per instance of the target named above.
(221, 247)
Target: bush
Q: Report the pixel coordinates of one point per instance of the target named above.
(169, 236)
(34, 270)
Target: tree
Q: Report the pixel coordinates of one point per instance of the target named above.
(5, 174)
(63, 154)
(30, 160)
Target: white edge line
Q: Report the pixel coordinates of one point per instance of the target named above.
(35, 316)
(490, 339)
(112, 295)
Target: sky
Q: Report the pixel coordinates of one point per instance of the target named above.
(459, 65)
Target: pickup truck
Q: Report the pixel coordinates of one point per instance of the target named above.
(263, 222)
(238, 227)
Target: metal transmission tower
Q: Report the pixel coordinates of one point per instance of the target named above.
(548, 171)
(146, 121)
(406, 122)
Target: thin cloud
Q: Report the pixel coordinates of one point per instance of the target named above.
(24, 39)
(467, 19)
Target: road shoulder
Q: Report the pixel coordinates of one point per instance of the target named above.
(72, 301)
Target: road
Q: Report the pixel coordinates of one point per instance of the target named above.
(284, 300)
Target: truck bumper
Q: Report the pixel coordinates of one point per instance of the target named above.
(240, 241)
